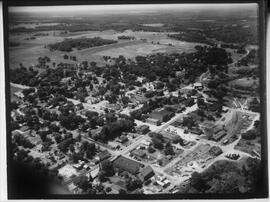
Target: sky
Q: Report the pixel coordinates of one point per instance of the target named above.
(127, 8)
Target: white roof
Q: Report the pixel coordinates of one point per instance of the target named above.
(197, 84)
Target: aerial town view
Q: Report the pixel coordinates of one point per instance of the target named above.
(137, 99)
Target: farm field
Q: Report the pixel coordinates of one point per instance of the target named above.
(29, 50)
(245, 82)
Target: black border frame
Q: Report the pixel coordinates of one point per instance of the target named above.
(262, 44)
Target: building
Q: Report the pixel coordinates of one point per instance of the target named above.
(198, 86)
(138, 153)
(195, 131)
(104, 155)
(162, 115)
(79, 106)
(146, 173)
(153, 121)
(125, 164)
(212, 100)
(143, 129)
(217, 136)
(169, 135)
(123, 139)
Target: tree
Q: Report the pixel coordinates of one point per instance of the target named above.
(197, 182)
(71, 148)
(122, 191)
(82, 182)
(157, 143)
(169, 149)
(108, 189)
(102, 176)
(133, 184)
(57, 137)
(151, 149)
(107, 167)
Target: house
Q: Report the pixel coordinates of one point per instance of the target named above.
(104, 155)
(162, 115)
(146, 173)
(125, 164)
(198, 86)
(24, 128)
(138, 153)
(147, 143)
(143, 129)
(122, 139)
(153, 121)
(169, 135)
(195, 131)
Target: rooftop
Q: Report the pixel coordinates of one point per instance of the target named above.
(127, 164)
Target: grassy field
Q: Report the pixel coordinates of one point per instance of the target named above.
(245, 82)
(28, 51)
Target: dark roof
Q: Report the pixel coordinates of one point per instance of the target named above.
(147, 172)
(138, 152)
(143, 127)
(104, 155)
(123, 138)
(162, 112)
(219, 135)
(127, 164)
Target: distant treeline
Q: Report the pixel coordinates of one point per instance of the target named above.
(126, 37)
(79, 43)
(191, 37)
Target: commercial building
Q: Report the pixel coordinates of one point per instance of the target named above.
(143, 129)
(146, 173)
(162, 115)
(153, 121)
(125, 164)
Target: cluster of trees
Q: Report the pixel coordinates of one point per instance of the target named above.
(251, 58)
(89, 149)
(84, 183)
(65, 143)
(158, 141)
(30, 38)
(71, 121)
(22, 75)
(106, 170)
(254, 105)
(79, 43)
(123, 37)
(227, 177)
(249, 135)
(239, 34)
(115, 129)
(74, 58)
(191, 36)
(20, 140)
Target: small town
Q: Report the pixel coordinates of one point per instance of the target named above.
(155, 123)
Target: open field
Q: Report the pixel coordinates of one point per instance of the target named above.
(146, 49)
(28, 51)
(245, 82)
